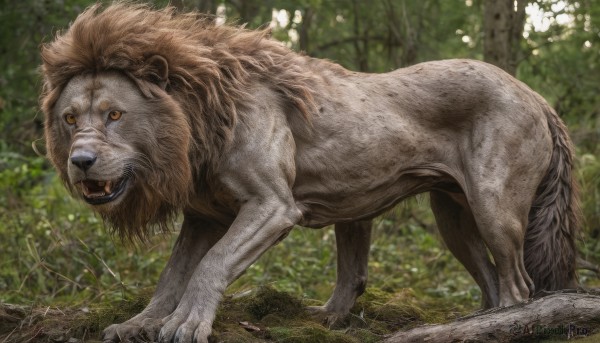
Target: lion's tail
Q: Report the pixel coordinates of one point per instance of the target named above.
(554, 219)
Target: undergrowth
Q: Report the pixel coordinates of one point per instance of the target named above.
(262, 315)
(56, 257)
(55, 249)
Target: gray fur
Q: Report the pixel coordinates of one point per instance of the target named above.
(249, 139)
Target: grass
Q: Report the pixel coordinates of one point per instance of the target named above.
(56, 250)
(57, 258)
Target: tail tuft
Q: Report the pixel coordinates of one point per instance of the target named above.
(554, 218)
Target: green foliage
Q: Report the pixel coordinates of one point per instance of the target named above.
(54, 247)
(25, 24)
(589, 176)
(562, 62)
(380, 36)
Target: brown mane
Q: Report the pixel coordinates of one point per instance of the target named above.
(209, 65)
(210, 69)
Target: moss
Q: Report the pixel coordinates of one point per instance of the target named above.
(263, 309)
(309, 332)
(386, 312)
(235, 335)
(44, 324)
(282, 318)
(269, 301)
(103, 315)
(265, 315)
(226, 327)
(589, 339)
(365, 335)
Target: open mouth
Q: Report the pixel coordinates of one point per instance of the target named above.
(101, 192)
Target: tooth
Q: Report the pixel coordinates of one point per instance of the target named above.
(86, 191)
(107, 187)
(96, 195)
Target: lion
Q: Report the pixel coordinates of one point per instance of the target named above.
(150, 113)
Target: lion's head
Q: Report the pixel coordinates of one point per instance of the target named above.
(140, 104)
(125, 154)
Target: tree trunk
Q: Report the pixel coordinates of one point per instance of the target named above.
(247, 10)
(559, 315)
(307, 19)
(362, 56)
(503, 22)
(207, 6)
(177, 4)
(204, 6)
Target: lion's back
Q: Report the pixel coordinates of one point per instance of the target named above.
(458, 90)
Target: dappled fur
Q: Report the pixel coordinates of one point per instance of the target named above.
(210, 67)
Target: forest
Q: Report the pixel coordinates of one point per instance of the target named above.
(63, 277)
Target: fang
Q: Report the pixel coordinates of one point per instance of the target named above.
(107, 187)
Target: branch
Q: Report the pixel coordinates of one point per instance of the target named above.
(564, 314)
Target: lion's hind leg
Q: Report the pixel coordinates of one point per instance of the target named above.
(194, 240)
(459, 231)
(502, 223)
(353, 241)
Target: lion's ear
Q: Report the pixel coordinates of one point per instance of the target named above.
(160, 70)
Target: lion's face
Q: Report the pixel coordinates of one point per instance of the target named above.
(118, 149)
(100, 117)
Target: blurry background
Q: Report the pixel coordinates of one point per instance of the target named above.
(53, 249)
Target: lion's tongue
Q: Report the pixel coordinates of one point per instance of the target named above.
(93, 189)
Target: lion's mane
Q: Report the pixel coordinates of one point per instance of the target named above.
(210, 68)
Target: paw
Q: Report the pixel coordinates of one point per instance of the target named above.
(120, 332)
(180, 329)
(328, 318)
(150, 329)
(146, 330)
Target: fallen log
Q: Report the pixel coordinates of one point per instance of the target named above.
(556, 315)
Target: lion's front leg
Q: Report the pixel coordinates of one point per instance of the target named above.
(195, 239)
(256, 228)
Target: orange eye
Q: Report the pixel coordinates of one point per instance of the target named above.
(70, 119)
(115, 115)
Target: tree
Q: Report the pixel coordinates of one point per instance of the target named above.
(503, 22)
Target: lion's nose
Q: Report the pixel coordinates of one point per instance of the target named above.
(83, 159)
